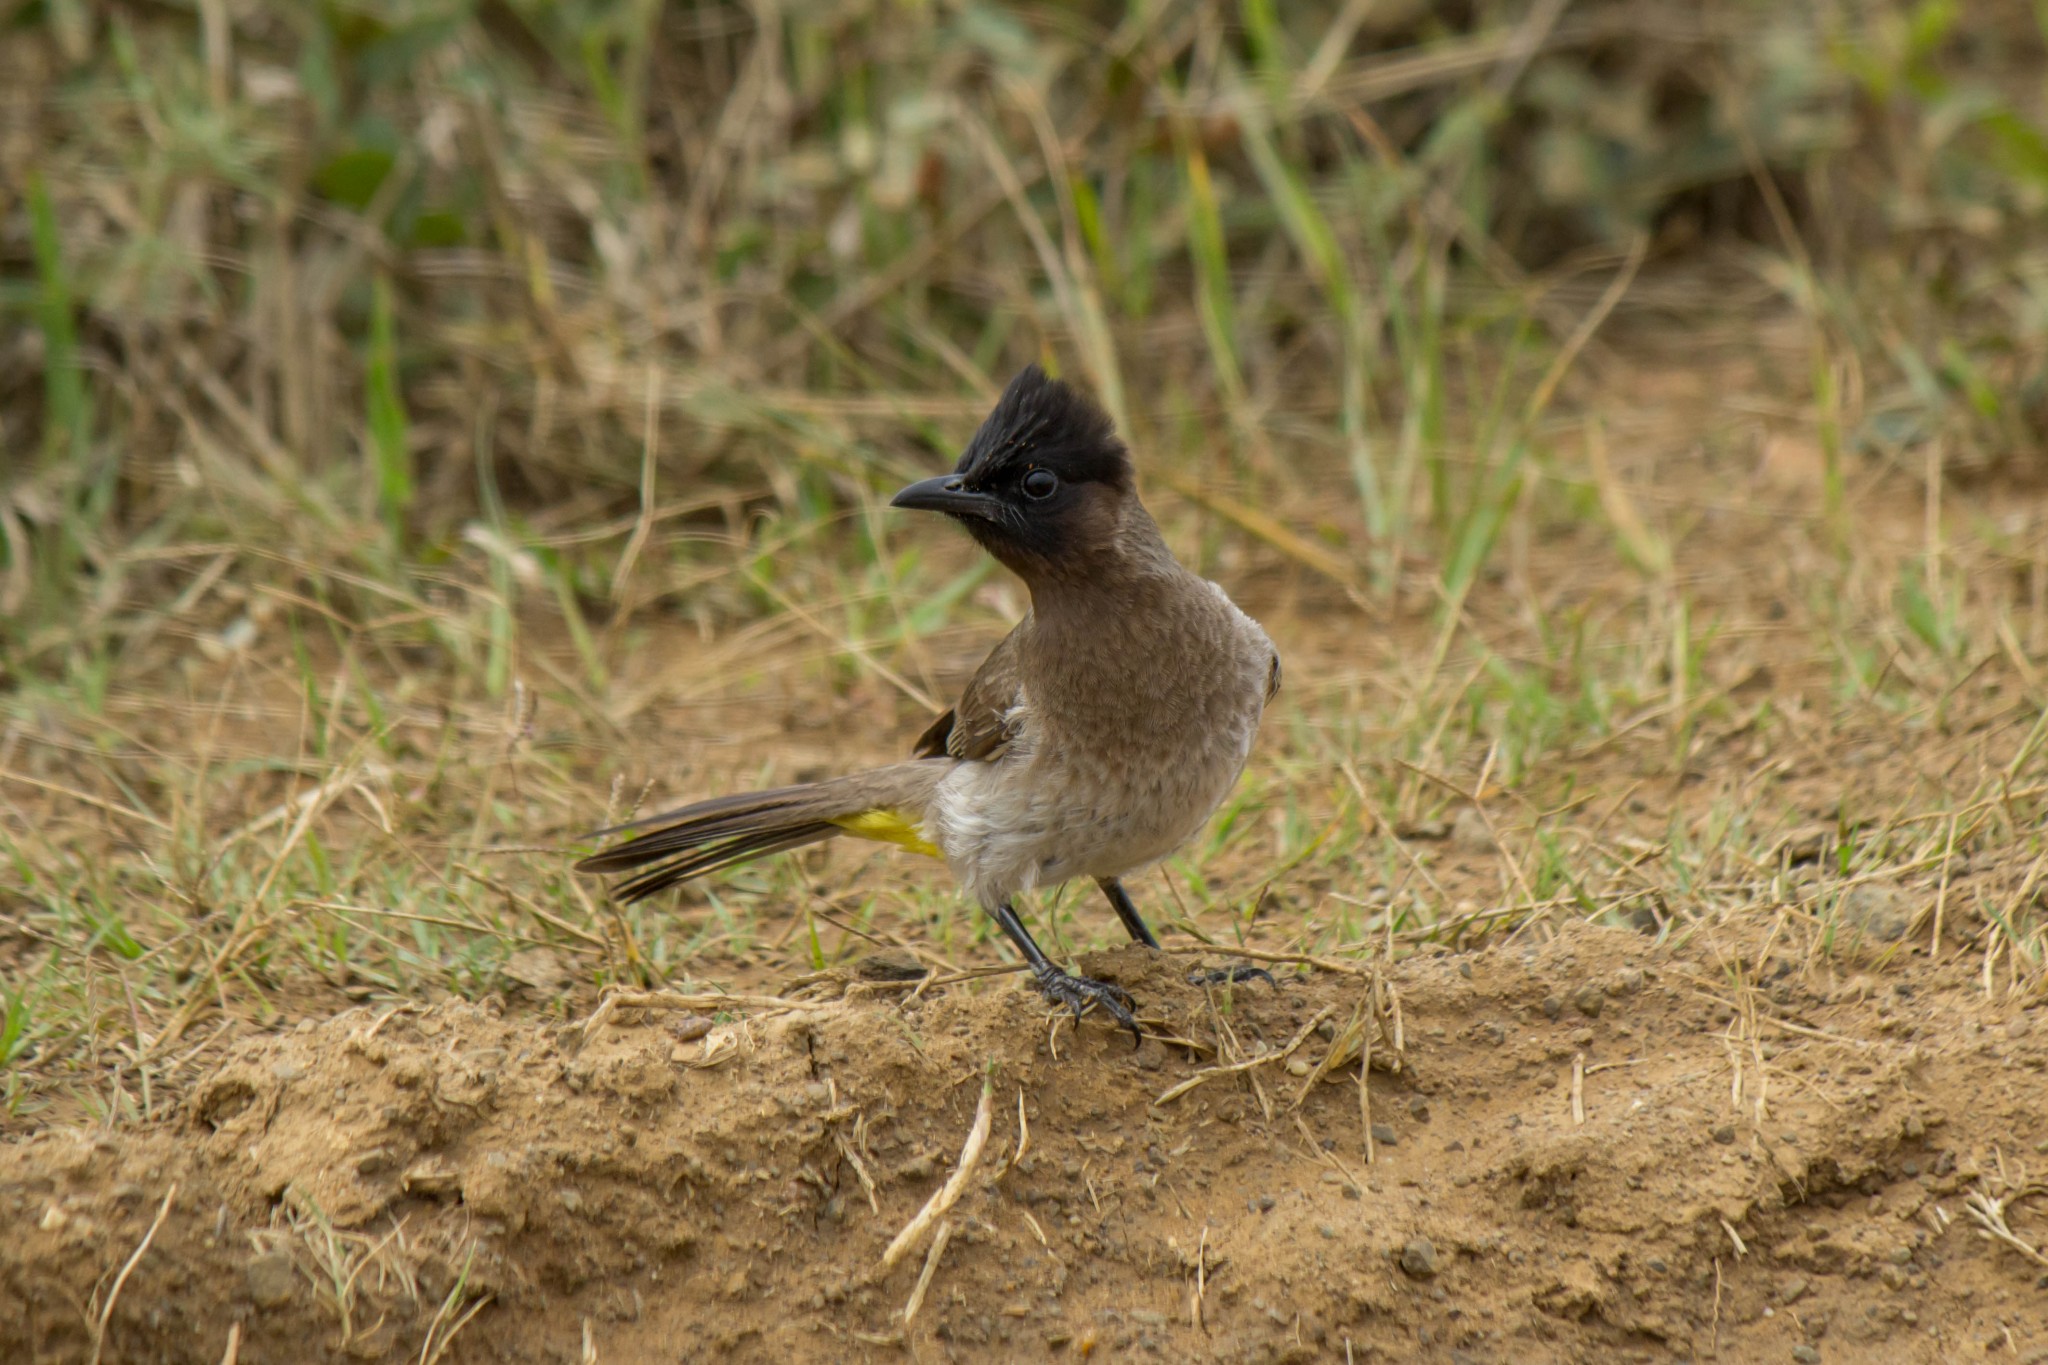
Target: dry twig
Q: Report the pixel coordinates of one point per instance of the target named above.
(99, 1329)
(931, 1265)
(675, 1000)
(1212, 1072)
(949, 1193)
(1987, 1211)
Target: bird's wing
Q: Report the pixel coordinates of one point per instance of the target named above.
(987, 717)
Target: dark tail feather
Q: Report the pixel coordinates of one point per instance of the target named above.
(697, 862)
(695, 825)
(677, 845)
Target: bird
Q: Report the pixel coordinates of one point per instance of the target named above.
(1095, 739)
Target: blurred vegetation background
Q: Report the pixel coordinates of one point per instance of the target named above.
(361, 277)
(372, 371)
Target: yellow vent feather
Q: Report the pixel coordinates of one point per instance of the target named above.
(889, 827)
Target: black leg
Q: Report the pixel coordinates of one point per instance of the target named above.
(1064, 988)
(1120, 901)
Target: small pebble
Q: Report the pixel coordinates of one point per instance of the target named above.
(1725, 1134)
(1588, 1000)
(1418, 1259)
(1552, 1007)
(1418, 1109)
(690, 1029)
(1385, 1136)
(1470, 833)
(1793, 1290)
(1806, 1355)
(1883, 911)
(271, 1278)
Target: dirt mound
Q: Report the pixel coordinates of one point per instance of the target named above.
(1591, 1149)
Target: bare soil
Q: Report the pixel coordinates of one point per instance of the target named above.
(1575, 1160)
(1778, 1125)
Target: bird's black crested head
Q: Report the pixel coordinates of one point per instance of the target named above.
(1045, 484)
(1042, 423)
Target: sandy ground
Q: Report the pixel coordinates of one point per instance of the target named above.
(1586, 1149)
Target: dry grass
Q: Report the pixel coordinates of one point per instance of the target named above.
(456, 432)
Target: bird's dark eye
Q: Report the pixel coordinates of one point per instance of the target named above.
(1041, 483)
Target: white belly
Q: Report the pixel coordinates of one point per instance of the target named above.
(1048, 812)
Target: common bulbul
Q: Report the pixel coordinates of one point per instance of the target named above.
(1096, 739)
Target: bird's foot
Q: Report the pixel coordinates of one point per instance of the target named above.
(1080, 992)
(1231, 975)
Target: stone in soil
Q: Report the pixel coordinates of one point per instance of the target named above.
(1418, 1259)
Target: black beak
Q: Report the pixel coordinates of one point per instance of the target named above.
(947, 494)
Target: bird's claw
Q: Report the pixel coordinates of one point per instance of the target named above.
(1080, 992)
(1221, 975)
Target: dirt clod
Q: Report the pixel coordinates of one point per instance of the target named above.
(1589, 1000)
(540, 970)
(271, 1278)
(889, 966)
(1470, 833)
(1418, 1258)
(1880, 911)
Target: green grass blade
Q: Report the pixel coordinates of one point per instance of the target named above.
(67, 416)
(389, 453)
